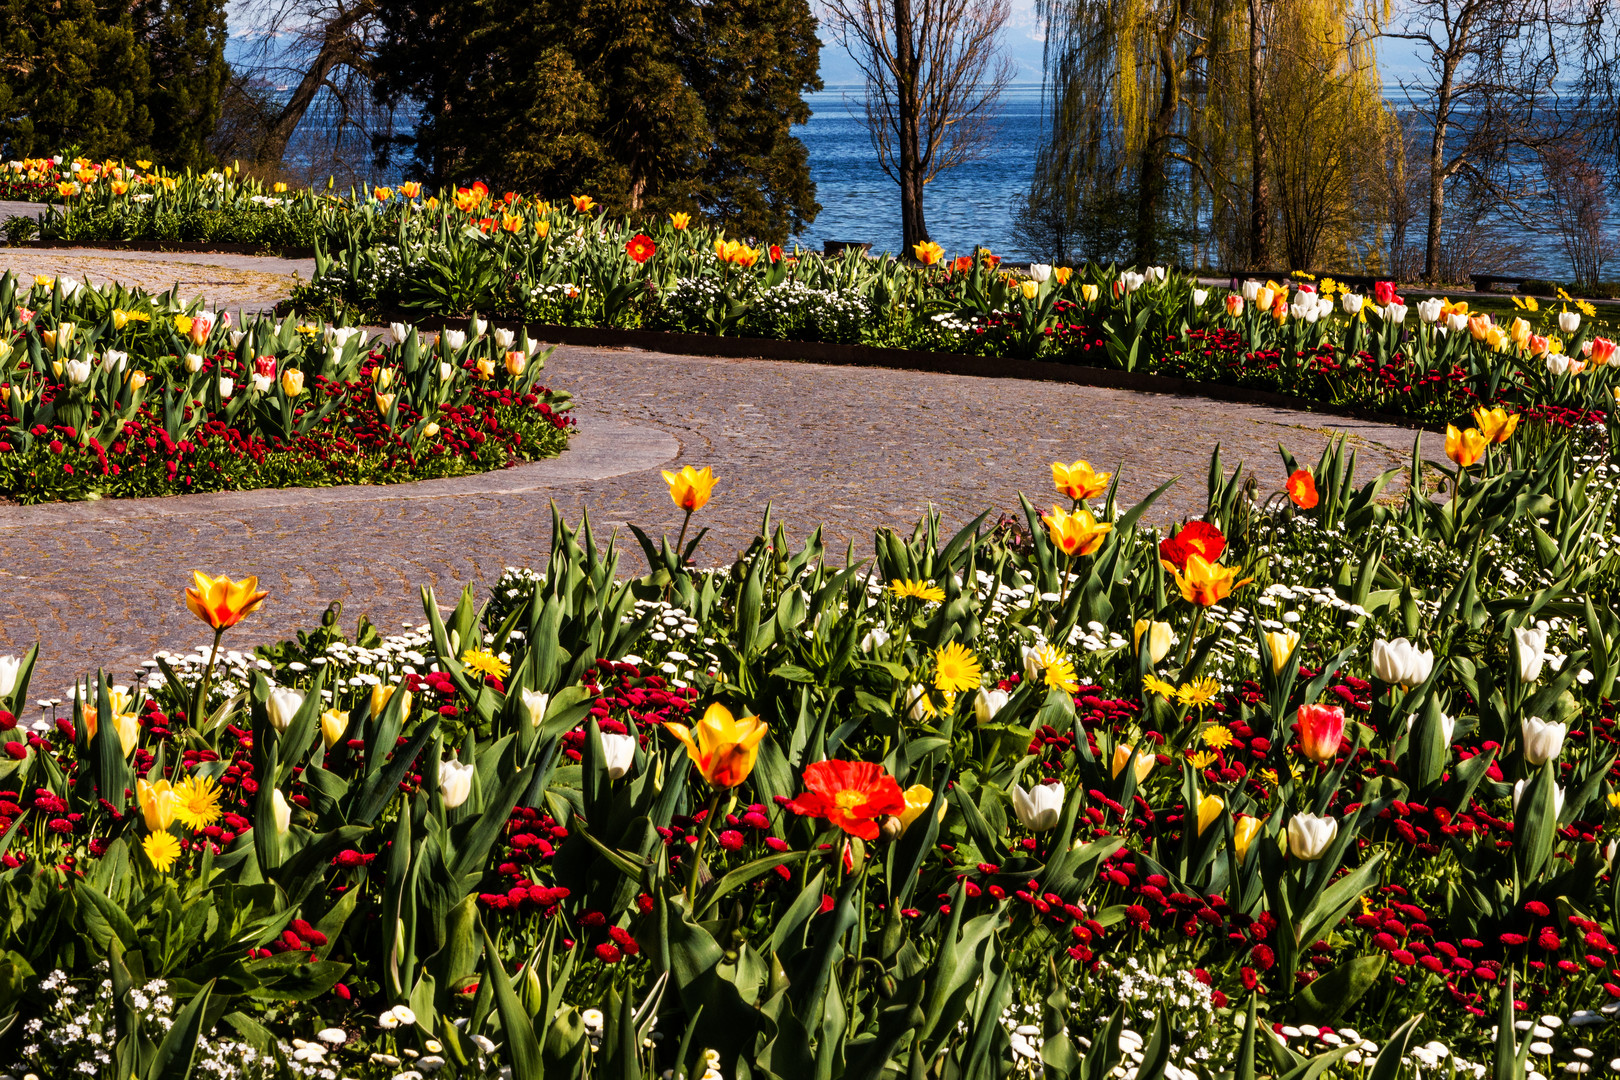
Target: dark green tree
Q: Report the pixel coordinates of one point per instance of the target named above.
(185, 45)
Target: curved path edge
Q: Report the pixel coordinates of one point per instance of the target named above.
(604, 449)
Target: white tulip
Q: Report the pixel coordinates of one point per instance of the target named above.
(917, 703)
(455, 783)
(263, 383)
(1394, 313)
(1558, 798)
(534, 703)
(618, 751)
(340, 335)
(400, 330)
(1040, 272)
(1351, 303)
(236, 337)
(78, 371)
(1457, 322)
(112, 358)
(1531, 649)
(1199, 296)
(875, 638)
(68, 285)
(1541, 741)
(1569, 321)
(504, 338)
(1401, 662)
(1251, 289)
(9, 666)
(455, 339)
(194, 362)
(1448, 725)
(282, 706)
(1309, 836)
(283, 812)
(226, 385)
(987, 704)
(1039, 809)
(1430, 309)
(479, 326)
(446, 372)
(1557, 364)
(1154, 274)
(1131, 280)
(1033, 667)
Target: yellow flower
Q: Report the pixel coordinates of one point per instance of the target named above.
(1614, 799)
(928, 253)
(385, 402)
(1158, 639)
(917, 590)
(1088, 292)
(1144, 762)
(680, 220)
(382, 194)
(1465, 447)
(1495, 424)
(1155, 685)
(1062, 274)
(380, 696)
(1217, 737)
(1519, 332)
(1198, 692)
(1245, 830)
(690, 488)
(1209, 809)
(197, 802)
(142, 165)
(334, 722)
(1060, 675)
(157, 802)
(485, 663)
(1079, 481)
(1076, 533)
(162, 849)
(292, 382)
(917, 797)
(542, 229)
(583, 203)
(1207, 584)
(1586, 309)
(124, 723)
(182, 323)
(722, 747)
(955, 669)
(1029, 289)
(1203, 759)
(1282, 644)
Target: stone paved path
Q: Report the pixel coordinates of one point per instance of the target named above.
(100, 583)
(229, 282)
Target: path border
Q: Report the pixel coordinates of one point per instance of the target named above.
(868, 356)
(191, 247)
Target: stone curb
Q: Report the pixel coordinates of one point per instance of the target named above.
(605, 449)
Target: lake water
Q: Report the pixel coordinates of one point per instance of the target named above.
(973, 204)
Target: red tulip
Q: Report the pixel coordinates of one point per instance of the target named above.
(1321, 730)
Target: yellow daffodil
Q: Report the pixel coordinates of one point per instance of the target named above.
(722, 746)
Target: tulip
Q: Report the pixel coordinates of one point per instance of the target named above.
(401, 331)
(1309, 836)
(534, 706)
(1465, 447)
(1495, 424)
(1244, 830)
(194, 362)
(1029, 289)
(504, 338)
(1076, 533)
(78, 371)
(680, 220)
(1519, 332)
(1429, 310)
(1263, 295)
(1541, 741)
(1132, 281)
(875, 638)
(1558, 798)
(1158, 639)
(1530, 649)
(722, 747)
(1234, 304)
(221, 602)
(690, 488)
(1394, 313)
(137, 381)
(281, 811)
(446, 372)
(1559, 364)
(112, 358)
(1207, 584)
(1401, 663)
(455, 339)
(380, 696)
(1569, 321)
(1250, 289)
(1079, 481)
(282, 705)
(127, 727)
(157, 802)
(618, 752)
(1351, 303)
(292, 382)
(987, 703)
(385, 402)
(1448, 726)
(1038, 810)
(1088, 293)
(917, 797)
(334, 722)
(1282, 644)
(1144, 762)
(515, 363)
(1321, 730)
(455, 783)
(1457, 322)
(226, 386)
(9, 667)
(1199, 296)
(1602, 351)
(1209, 809)
(262, 384)
(1040, 272)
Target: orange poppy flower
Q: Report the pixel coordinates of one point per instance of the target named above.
(1302, 489)
(853, 795)
(1195, 538)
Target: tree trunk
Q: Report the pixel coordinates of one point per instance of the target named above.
(1260, 158)
(335, 47)
(1153, 180)
(913, 229)
(1437, 171)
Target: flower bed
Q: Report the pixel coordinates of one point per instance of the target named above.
(114, 393)
(1319, 786)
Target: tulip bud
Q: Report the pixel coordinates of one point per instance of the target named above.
(380, 696)
(1430, 309)
(1144, 762)
(194, 362)
(334, 722)
(503, 338)
(1351, 303)
(515, 362)
(1243, 833)
(283, 812)
(78, 371)
(1199, 296)
(1040, 272)
(1282, 644)
(455, 783)
(987, 704)
(1569, 321)
(262, 383)
(618, 752)
(1541, 741)
(1158, 639)
(226, 386)
(1321, 730)
(446, 372)
(1309, 836)
(1209, 809)
(1558, 798)
(1039, 809)
(455, 339)
(430, 429)
(282, 705)
(875, 638)
(1530, 651)
(534, 705)
(9, 666)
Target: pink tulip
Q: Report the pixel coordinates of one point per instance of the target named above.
(1321, 730)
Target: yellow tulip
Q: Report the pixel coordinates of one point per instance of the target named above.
(1145, 762)
(292, 382)
(917, 797)
(334, 722)
(690, 488)
(124, 723)
(1079, 481)
(1158, 639)
(680, 220)
(1519, 332)
(928, 253)
(1243, 834)
(1076, 533)
(1495, 424)
(380, 696)
(221, 602)
(384, 403)
(722, 747)
(1209, 809)
(515, 362)
(485, 367)
(1465, 447)
(1062, 274)
(157, 802)
(1029, 289)
(1088, 293)
(1282, 644)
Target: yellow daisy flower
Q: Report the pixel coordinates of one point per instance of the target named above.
(1060, 675)
(1218, 737)
(485, 663)
(1152, 684)
(1198, 692)
(916, 590)
(1203, 759)
(955, 669)
(197, 802)
(162, 849)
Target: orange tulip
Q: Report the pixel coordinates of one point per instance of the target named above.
(690, 488)
(221, 602)
(583, 203)
(1465, 447)
(928, 253)
(1205, 583)
(1495, 424)
(680, 220)
(723, 747)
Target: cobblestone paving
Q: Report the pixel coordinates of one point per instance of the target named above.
(854, 448)
(228, 282)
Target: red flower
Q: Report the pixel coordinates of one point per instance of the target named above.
(850, 795)
(1302, 489)
(1384, 293)
(776, 252)
(640, 248)
(1195, 538)
(1321, 730)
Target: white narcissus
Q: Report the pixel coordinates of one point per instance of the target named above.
(1039, 808)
